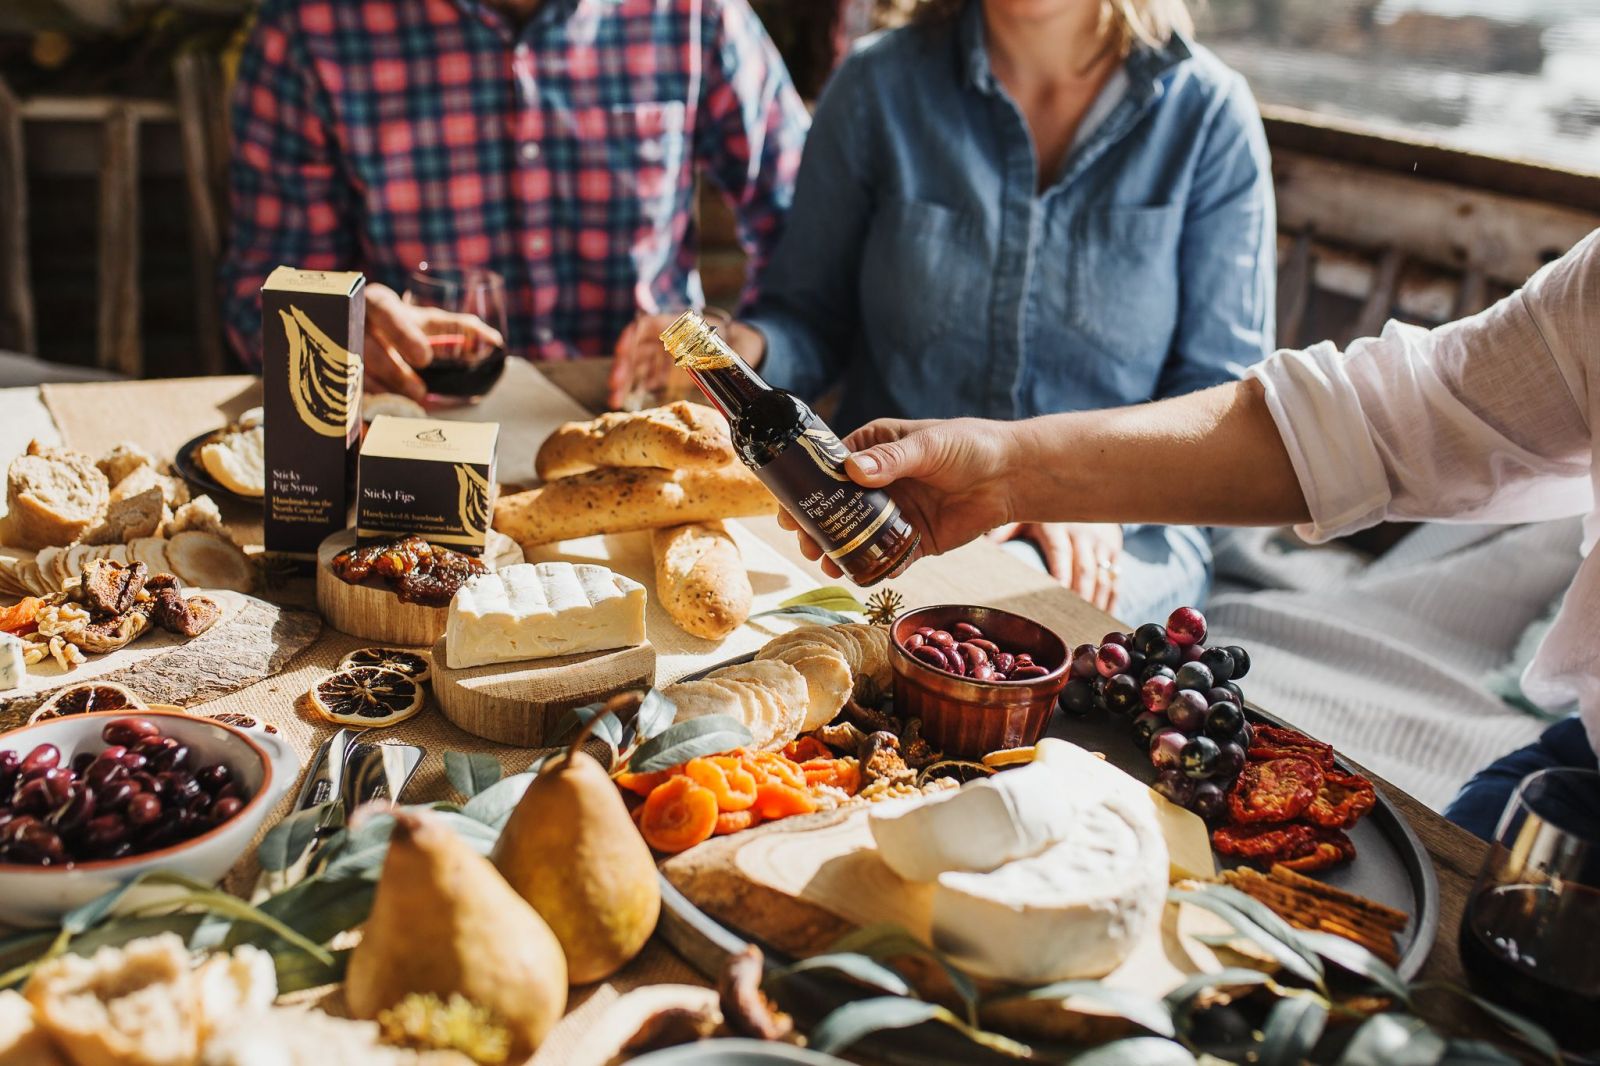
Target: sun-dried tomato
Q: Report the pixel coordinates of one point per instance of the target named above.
(1275, 742)
(1275, 790)
(1342, 801)
(1264, 842)
(1329, 848)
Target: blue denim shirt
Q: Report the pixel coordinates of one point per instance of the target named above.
(923, 268)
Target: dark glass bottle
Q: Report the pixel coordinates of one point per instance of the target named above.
(797, 457)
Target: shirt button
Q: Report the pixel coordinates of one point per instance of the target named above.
(537, 245)
(650, 150)
(544, 335)
(530, 151)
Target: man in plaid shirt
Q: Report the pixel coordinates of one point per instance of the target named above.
(555, 142)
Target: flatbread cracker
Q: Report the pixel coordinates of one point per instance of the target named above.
(785, 687)
(828, 680)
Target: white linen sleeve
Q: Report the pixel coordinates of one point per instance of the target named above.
(1481, 420)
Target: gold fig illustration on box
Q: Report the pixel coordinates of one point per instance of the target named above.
(324, 379)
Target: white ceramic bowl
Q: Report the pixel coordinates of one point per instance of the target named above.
(263, 764)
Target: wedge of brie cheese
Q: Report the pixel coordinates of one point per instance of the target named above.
(541, 610)
(13, 671)
(1075, 910)
(979, 826)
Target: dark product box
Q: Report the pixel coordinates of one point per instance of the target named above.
(428, 477)
(311, 329)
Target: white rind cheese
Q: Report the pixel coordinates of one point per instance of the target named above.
(13, 671)
(1075, 910)
(979, 826)
(541, 610)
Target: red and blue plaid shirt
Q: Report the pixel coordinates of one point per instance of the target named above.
(562, 153)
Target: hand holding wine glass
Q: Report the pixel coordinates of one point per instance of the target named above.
(444, 341)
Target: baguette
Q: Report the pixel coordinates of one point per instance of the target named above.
(52, 496)
(679, 436)
(700, 579)
(624, 499)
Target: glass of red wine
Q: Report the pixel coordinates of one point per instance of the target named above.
(1532, 925)
(465, 366)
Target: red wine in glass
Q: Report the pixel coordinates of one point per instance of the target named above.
(459, 378)
(465, 366)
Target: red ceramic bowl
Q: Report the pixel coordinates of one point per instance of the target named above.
(966, 718)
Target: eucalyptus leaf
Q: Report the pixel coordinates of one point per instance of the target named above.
(862, 968)
(319, 909)
(885, 941)
(1140, 1010)
(1475, 1053)
(854, 1021)
(1348, 955)
(1136, 1051)
(820, 615)
(1393, 1040)
(287, 841)
(1298, 960)
(690, 739)
(1179, 1000)
(1267, 920)
(494, 804)
(469, 773)
(829, 598)
(608, 729)
(1529, 1032)
(656, 713)
(1292, 1029)
(298, 972)
(80, 918)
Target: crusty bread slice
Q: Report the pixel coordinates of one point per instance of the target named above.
(173, 489)
(199, 514)
(238, 461)
(123, 460)
(52, 496)
(22, 1041)
(134, 1004)
(142, 515)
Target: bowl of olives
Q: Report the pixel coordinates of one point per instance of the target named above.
(92, 801)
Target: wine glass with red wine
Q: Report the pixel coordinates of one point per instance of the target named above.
(465, 366)
(1530, 938)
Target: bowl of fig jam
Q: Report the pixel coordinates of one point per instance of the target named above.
(981, 679)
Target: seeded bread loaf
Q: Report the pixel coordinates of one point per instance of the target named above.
(52, 496)
(700, 579)
(679, 436)
(623, 499)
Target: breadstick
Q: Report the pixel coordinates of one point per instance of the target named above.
(623, 499)
(679, 436)
(700, 579)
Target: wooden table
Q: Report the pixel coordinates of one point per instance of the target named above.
(978, 573)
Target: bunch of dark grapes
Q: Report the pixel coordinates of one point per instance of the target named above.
(1183, 698)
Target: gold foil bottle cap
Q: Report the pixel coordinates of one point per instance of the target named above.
(695, 345)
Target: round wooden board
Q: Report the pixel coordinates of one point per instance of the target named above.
(522, 703)
(373, 612)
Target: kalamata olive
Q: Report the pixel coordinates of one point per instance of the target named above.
(226, 807)
(924, 632)
(31, 797)
(114, 796)
(78, 809)
(181, 788)
(37, 845)
(974, 656)
(966, 631)
(984, 672)
(57, 785)
(233, 789)
(106, 772)
(199, 804)
(1027, 673)
(104, 831)
(150, 783)
(990, 647)
(9, 761)
(129, 731)
(81, 762)
(134, 761)
(214, 778)
(143, 810)
(941, 638)
(1024, 659)
(932, 656)
(1005, 662)
(43, 757)
(915, 641)
(175, 757)
(15, 826)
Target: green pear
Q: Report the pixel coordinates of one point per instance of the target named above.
(571, 850)
(444, 921)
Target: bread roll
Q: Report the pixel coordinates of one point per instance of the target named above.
(700, 579)
(679, 436)
(52, 496)
(623, 499)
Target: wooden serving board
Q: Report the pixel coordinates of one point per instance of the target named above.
(374, 612)
(523, 703)
(252, 640)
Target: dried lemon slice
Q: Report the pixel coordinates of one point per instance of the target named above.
(86, 697)
(410, 663)
(1010, 757)
(366, 697)
(959, 770)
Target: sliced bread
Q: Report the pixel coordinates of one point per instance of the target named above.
(52, 496)
(131, 517)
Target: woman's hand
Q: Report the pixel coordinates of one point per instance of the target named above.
(1081, 555)
(642, 364)
(950, 478)
(397, 340)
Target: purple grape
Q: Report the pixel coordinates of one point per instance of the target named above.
(1146, 726)
(1151, 669)
(1230, 760)
(1223, 720)
(1077, 697)
(1157, 692)
(1114, 637)
(1187, 711)
(1209, 801)
(1174, 787)
(1241, 661)
(1148, 636)
(1219, 661)
(1136, 663)
(1199, 757)
(1194, 676)
(1193, 653)
(1236, 691)
(1083, 661)
(129, 732)
(1122, 695)
(1186, 626)
(1111, 659)
(1167, 654)
(1245, 737)
(1216, 694)
(1166, 748)
(42, 758)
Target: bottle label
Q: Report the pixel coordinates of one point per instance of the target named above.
(809, 475)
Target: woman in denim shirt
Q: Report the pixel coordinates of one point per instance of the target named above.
(1018, 207)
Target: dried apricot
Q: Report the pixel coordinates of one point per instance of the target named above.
(736, 821)
(734, 786)
(19, 617)
(770, 766)
(804, 749)
(642, 784)
(777, 800)
(678, 815)
(842, 774)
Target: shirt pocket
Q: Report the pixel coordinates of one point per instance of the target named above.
(921, 282)
(646, 170)
(1124, 288)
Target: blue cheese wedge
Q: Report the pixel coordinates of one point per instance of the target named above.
(542, 610)
(13, 671)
